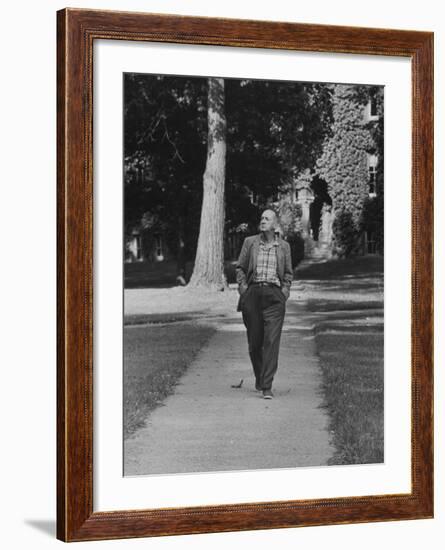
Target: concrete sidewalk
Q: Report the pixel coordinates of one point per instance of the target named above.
(207, 425)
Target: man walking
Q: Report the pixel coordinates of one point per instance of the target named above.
(264, 275)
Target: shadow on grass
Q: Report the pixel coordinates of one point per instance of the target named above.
(158, 318)
(360, 308)
(339, 285)
(164, 274)
(155, 358)
(349, 268)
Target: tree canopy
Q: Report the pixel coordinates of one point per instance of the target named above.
(275, 130)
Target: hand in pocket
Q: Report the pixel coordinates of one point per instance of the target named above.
(242, 289)
(286, 292)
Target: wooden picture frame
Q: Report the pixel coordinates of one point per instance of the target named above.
(77, 31)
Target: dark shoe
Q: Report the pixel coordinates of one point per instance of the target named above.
(258, 386)
(267, 394)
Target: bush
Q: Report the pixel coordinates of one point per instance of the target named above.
(296, 243)
(343, 164)
(372, 220)
(345, 233)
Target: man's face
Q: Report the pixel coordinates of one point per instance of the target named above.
(267, 222)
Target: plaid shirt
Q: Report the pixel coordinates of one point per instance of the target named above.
(266, 268)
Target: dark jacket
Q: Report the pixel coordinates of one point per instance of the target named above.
(247, 261)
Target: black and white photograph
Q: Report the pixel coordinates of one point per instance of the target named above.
(253, 274)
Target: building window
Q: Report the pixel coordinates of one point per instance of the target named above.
(158, 247)
(253, 198)
(371, 112)
(373, 107)
(372, 191)
(371, 242)
(372, 175)
(138, 243)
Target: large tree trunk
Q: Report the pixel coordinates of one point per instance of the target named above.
(209, 263)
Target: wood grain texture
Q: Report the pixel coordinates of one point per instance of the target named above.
(77, 30)
(62, 364)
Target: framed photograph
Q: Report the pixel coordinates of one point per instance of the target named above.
(245, 231)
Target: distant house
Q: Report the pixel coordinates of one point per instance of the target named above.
(146, 245)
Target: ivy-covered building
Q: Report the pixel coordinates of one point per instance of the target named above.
(343, 203)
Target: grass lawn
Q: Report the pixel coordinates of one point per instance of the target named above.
(154, 318)
(352, 368)
(346, 298)
(163, 274)
(360, 266)
(155, 357)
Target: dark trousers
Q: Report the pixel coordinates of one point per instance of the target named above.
(263, 309)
